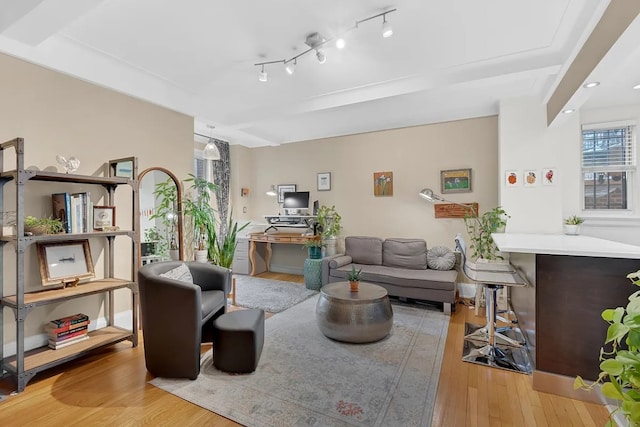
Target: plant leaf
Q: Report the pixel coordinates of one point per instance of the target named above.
(616, 332)
(610, 391)
(612, 367)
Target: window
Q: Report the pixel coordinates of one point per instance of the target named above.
(608, 165)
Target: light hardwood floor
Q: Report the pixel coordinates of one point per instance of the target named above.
(110, 388)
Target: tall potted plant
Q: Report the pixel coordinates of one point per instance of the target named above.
(166, 193)
(197, 206)
(329, 221)
(223, 248)
(480, 228)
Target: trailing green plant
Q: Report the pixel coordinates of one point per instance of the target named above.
(198, 206)
(573, 220)
(329, 220)
(480, 228)
(45, 225)
(221, 250)
(620, 367)
(354, 275)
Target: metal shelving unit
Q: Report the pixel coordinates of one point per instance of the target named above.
(25, 364)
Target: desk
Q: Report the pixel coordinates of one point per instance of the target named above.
(268, 239)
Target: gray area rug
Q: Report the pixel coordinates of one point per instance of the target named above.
(273, 296)
(306, 379)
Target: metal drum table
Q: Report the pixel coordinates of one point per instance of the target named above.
(357, 317)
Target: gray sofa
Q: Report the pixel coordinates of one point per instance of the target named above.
(399, 265)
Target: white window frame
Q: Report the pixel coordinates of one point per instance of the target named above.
(632, 175)
(208, 165)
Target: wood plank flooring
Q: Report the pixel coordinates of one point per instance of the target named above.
(110, 388)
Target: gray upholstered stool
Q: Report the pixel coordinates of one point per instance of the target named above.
(238, 338)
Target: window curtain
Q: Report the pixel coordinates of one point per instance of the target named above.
(221, 178)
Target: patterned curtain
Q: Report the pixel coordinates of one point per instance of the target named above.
(221, 178)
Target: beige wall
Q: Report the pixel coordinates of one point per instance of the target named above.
(57, 114)
(415, 155)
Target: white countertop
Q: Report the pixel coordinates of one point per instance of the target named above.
(561, 244)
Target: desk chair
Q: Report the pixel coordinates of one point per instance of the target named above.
(481, 346)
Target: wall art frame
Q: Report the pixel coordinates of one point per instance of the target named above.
(456, 181)
(285, 188)
(324, 181)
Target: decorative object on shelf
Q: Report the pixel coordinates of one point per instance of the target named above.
(618, 378)
(324, 181)
(285, 188)
(572, 225)
(511, 178)
(455, 181)
(63, 262)
(104, 217)
(354, 278)
(8, 224)
(383, 183)
(530, 178)
(123, 168)
(316, 42)
(37, 226)
(67, 330)
(329, 222)
(548, 176)
(70, 165)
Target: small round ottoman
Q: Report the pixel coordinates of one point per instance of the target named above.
(238, 338)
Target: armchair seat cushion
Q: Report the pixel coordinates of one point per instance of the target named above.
(212, 301)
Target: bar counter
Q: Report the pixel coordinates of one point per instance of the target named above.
(573, 279)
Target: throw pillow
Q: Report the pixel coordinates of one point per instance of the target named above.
(181, 273)
(441, 258)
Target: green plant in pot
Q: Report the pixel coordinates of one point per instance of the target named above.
(620, 367)
(480, 228)
(223, 248)
(197, 207)
(329, 222)
(38, 226)
(314, 246)
(166, 193)
(572, 225)
(354, 277)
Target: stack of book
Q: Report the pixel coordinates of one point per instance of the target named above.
(74, 210)
(67, 330)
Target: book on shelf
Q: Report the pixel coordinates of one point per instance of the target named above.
(52, 329)
(61, 203)
(69, 320)
(56, 345)
(59, 336)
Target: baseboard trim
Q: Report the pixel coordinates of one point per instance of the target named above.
(562, 385)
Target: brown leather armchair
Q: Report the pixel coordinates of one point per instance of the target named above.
(177, 315)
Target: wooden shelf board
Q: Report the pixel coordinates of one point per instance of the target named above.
(57, 295)
(44, 357)
(68, 236)
(453, 210)
(69, 177)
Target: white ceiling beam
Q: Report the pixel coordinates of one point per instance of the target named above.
(33, 21)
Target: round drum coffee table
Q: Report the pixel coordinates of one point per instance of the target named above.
(358, 317)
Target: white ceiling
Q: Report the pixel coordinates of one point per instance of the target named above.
(447, 60)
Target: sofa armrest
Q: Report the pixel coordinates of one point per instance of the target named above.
(211, 277)
(334, 261)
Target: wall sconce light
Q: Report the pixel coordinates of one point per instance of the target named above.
(272, 191)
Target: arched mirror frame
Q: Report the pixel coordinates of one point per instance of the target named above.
(179, 207)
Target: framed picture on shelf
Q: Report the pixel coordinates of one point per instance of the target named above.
(285, 188)
(455, 181)
(123, 168)
(104, 217)
(65, 262)
(324, 181)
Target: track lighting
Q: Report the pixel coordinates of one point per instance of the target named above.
(290, 67)
(315, 41)
(263, 75)
(387, 31)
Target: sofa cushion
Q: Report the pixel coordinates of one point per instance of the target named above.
(364, 250)
(181, 273)
(405, 253)
(441, 258)
(403, 277)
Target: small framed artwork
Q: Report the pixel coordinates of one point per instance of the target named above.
(65, 262)
(530, 178)
(549, 176)
(103, 217)
(511, 178)
(123, 168)
(285, 188)
(324, 181)
(455, 181)
(383, 183)
(244, 192)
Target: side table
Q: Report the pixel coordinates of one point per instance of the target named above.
(313, 274)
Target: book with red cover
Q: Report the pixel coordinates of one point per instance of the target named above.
(67, 334)
(50, 329)
(56, 345)
(69, 320)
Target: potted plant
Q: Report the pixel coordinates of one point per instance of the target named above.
(154, 243)
(620, 368)
(198, 207)
(480, 228)
(354, 278)
(222, 250)
(314, 246)
(572, 225)
(167, 212)
(329, 221)
(37, 226)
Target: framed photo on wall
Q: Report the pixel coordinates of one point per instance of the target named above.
(285, 188)
(324, 181)
(455, 181)
(65, 262)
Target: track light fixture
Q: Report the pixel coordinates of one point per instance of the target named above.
(315, 41)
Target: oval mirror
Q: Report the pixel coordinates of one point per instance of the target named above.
(159, 219)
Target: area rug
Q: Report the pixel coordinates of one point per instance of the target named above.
(273, 296)
(306, 379)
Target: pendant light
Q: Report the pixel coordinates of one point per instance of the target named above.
(211, 151)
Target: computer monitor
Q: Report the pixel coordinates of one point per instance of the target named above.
(295, 202)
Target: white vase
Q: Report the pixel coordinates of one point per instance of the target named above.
(330, 245)
(174, 254)
(572, 229)
(201, 256)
